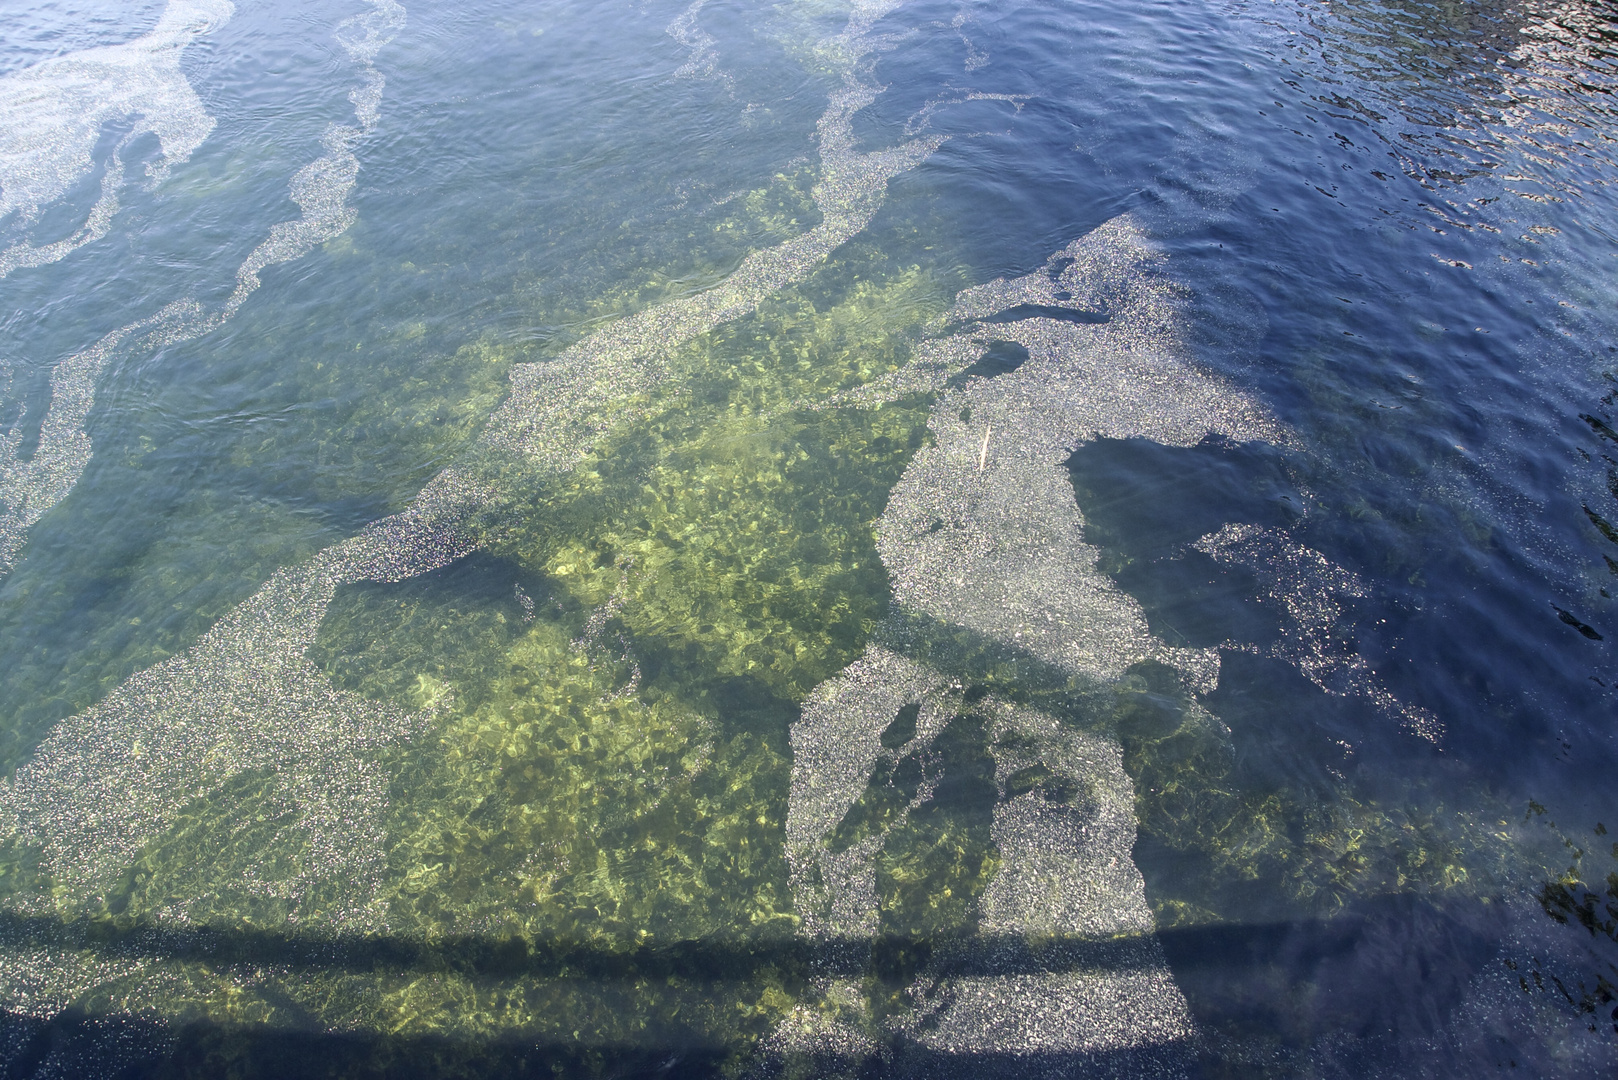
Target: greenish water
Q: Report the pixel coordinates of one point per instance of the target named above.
(814, 539)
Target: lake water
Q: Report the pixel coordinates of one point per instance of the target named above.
(811, 539)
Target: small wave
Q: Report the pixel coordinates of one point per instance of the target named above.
(320, 189)
(52, 115)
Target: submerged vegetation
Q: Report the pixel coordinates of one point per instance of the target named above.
(617, 782)
(651, 775)
(614, 676)
(586, 848)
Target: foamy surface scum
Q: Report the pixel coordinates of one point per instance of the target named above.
(320, 189)
(783, 679)
(245, 697)
(982, 532)
(52, 114)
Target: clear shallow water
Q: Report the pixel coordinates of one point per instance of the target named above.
(1190, 655)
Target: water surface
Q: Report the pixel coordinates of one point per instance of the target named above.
(812, 539)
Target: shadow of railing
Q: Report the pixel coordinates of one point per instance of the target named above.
(77, 1044)
(1208, 961)
(496, 958)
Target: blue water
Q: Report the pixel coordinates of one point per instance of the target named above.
(1374, 843)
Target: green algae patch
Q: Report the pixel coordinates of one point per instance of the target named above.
(585, 849)
(550, 804)
(608, 791)
(619, 790)
(733, 525)
(750, 551)
(575, 825)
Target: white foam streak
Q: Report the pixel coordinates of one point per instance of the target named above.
(28, 488)
(243, 697)
(1306, 584)
(22, 255)
(704, 62)
(320, 189)
(52, 115)
(987, 534)
(557, 409)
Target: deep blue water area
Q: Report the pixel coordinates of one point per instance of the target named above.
(454, 620)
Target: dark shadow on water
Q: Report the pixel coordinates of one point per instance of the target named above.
(1032, 311)
(488, 958)
(1281, 982)
(75, 1044)
(1001, 358)
(1387, 969)
(1216, 965)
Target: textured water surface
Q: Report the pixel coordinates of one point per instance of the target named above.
(829, 538)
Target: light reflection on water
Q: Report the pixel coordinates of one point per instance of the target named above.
(791, 486)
